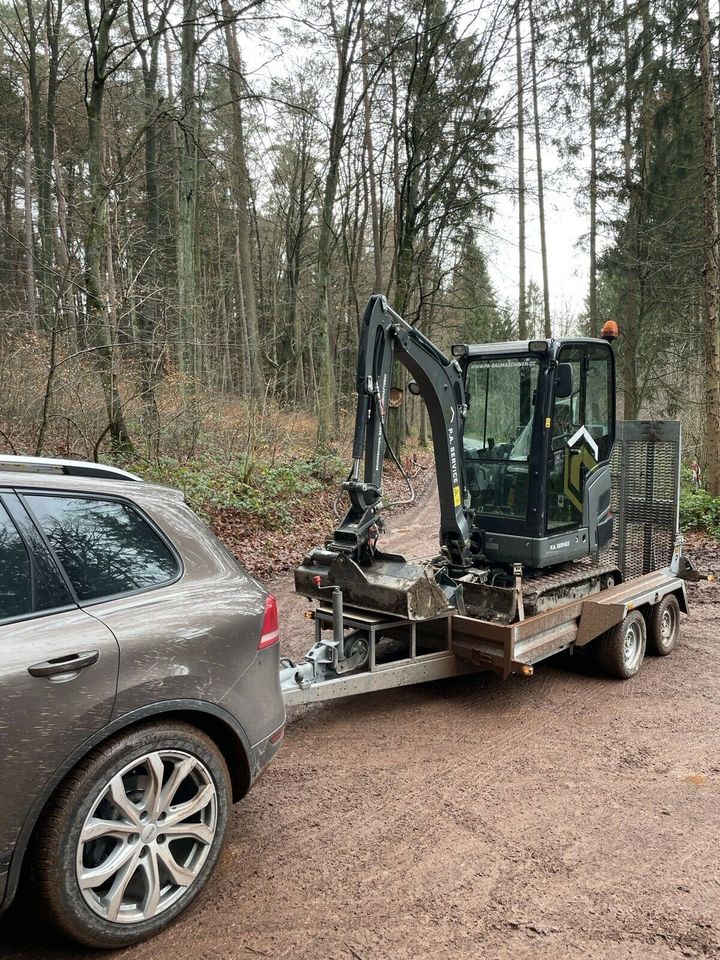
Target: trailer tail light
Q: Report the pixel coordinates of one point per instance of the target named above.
(271, 625)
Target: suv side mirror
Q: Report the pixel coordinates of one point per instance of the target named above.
(563, 381)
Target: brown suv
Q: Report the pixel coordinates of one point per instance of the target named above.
(139, 696)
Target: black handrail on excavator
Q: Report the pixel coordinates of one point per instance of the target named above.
(384, 337)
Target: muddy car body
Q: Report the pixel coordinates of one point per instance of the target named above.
(121, 616)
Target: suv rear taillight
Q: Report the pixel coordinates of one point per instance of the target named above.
(271, 625)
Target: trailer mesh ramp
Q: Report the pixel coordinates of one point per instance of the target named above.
(645, 467)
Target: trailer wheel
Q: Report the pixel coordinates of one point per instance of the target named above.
(621, 650)
(664, 626)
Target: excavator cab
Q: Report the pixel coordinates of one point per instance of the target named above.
(538, 434)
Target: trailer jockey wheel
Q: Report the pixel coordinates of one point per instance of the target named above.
(357, 650)
(621, 649)
(664, 626)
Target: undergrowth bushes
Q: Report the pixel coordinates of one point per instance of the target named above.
(699, 510)
(271, 492)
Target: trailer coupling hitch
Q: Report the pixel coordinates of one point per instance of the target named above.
(328, 658)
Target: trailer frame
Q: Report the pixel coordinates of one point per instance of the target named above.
(471, 645)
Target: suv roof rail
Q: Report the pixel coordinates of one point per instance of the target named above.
(71, 468)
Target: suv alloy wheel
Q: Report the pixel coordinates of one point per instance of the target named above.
(132, 835)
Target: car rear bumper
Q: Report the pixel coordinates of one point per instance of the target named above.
(4, 868)
(256, 701)
(264, 751)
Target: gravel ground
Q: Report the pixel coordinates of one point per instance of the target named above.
(566, 815)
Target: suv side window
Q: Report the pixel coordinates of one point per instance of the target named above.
(105, 547)
(15, 571)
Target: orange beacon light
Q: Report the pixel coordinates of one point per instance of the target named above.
(610, 331)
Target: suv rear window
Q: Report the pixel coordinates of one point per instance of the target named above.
(15, 571)
(105, 546)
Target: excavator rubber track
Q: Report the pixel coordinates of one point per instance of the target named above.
(571, 581)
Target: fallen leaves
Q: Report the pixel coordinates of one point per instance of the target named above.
(266, 550)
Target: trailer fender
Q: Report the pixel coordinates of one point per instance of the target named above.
(602, 611)
(681, 595)
(598, 618)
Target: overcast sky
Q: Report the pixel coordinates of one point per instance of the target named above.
(567, 241)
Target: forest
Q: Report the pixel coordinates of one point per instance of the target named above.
(198, 199)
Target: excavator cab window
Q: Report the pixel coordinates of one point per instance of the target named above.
(582, 431)
(502, 397)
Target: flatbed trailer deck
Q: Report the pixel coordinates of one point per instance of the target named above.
(454, 645)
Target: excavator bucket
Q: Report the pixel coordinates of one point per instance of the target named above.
(391, 585)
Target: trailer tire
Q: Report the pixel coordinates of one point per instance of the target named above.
(621, 650)
(664, 626)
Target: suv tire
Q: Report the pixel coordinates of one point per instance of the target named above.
(166, 787)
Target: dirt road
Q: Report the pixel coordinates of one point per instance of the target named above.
(562, 816)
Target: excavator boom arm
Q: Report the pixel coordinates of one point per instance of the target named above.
(384, 337)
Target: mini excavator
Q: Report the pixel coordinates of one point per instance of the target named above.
(522, 435)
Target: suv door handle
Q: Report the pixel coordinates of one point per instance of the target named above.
(75, 661)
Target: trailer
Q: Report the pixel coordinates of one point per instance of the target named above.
(626, 598)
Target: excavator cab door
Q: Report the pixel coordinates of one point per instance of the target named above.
(582, 431)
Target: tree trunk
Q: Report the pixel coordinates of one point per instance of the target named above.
(96, 302)
(110, 285)
(245, 343)
(44, 255)
(187, 182)
(629, 327)
(7, 238)
(541, 187)
(370, 153)
(242, 175)
(48, 397)
(29, 244)
(180, 333)
(635, 187)
(594, 326)
(712, 278)
(147, 44)
(148, 313)
(294, 269)
(397, 176)
(53, 22)
(326, 392)
(62, 254)
(522, 298)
